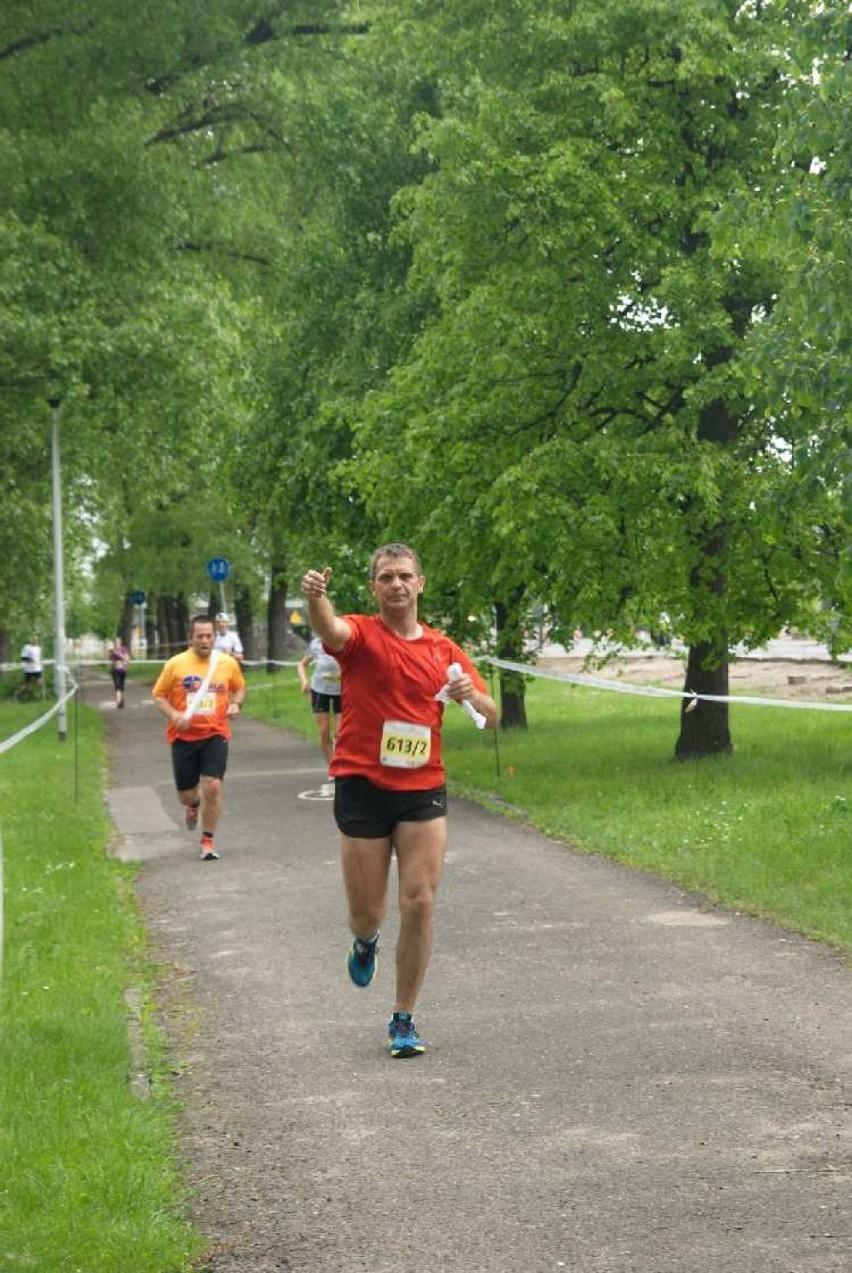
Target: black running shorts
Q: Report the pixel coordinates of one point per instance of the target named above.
(197, 758)
(325, 702)
(366, 812)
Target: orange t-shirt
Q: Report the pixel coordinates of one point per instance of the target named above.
(181, 677)
(390, 726)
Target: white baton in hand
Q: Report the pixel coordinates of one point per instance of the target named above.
(454, 671)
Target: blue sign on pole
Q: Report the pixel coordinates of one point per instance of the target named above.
(218, 568)
(138, 598)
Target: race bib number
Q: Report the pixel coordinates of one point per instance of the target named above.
(405, 746)
(206, 705)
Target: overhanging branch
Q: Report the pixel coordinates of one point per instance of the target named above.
(222, 249)
(28, 42)
(264, 31)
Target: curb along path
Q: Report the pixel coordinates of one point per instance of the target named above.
(618, 1079)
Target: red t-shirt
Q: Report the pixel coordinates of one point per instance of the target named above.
(390, 726)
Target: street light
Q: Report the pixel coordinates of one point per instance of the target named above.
(55, 405)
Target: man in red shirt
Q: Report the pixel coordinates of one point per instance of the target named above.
(199, 692)
(390, 791)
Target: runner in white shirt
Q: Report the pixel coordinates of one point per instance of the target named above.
(31, 660)
(324, 689)
(33, 670)
(227, 640)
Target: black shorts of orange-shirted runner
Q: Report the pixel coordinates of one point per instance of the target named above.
(197, 758)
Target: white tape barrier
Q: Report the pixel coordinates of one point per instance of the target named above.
(16, 667)
(8, 743)
(13, 741)
(655, 691)
(105, 663)
(525, 669)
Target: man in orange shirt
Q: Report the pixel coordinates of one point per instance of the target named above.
(390, 793)
(199, 692)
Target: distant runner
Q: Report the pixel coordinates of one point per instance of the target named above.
(32, 664)
(324, 689)
(199, 692)
(119, 657)
(390, 791)
(227, 640)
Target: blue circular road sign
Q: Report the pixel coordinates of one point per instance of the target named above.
(218, 568)
(138, 598)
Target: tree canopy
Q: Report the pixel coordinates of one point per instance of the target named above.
(555, 291)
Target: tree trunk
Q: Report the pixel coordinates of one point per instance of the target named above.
(507, 621)
(125, 622)
(162, 628)
(245, 621)
(5, 645)
(276, 617)
(173, 624)
(182, 617)
(704, 727)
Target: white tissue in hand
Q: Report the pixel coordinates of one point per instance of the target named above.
(454, 671)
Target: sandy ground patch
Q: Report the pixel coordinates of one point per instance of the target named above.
(817, 681)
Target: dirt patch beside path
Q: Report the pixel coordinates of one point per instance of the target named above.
(815, 681)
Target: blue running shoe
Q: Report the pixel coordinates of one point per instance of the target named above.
(362, 959)
(403, 1039)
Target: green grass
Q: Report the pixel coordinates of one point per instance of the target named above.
(767, 830)
(87, 1169)
(88, 1176)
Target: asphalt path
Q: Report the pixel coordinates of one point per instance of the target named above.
(620, 1078)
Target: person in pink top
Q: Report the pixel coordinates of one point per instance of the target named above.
(119, 657)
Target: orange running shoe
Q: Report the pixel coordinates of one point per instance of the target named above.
(208, 852)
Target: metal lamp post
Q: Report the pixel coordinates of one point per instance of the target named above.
(58, 570)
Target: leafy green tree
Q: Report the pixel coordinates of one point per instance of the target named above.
(795, 363)
(338, 313)
(576, 405)
(117, 279)
(520, 283)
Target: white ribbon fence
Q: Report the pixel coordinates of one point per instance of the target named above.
(656, 691)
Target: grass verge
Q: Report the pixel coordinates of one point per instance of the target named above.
(767, 830)
(88, 1181)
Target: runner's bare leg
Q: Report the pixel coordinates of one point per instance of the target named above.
(211, 803)
(421, 848)
(366, 866)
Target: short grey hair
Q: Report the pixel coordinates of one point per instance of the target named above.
(393, 550)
